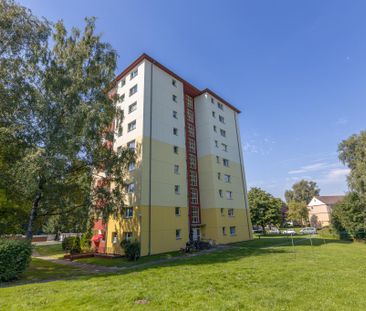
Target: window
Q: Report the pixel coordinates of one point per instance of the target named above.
(133, 90)
(192, 161)
(128, 212)
(114, 238)
(223, 133)
(212, 100)
(222, 210)
(194, 197)
(230, 212)
(220, 106)
(216, 144)
(191, 145)
(122, 83)
(217, 159)
(174, 82)
(191, 131)
(174, 98)
(223, 230)
(119, 149)
(220, 193)
(190, 117)
(225, 162)
(177, 189)
(224, 147)
(213, 114)
(133, 74)
(131, 126)
(232, 231)
(132, 107)
(193, 177)
(131, 166)
(175, 131)
(131, 188)
(175, 149)
(176, 169)
(122, 98)
(177, 234)
(177, 211)
(175, 114)
(189, 102)
(218, 176)
(229, 195)
(221, 119)
(227, 178)
(215, 128)
(195, 216)
(131, 145)
(127, 236)
(120, 131)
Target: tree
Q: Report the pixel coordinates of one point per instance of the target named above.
(298, 212)
(302, 191)
(352, 152)
(264, 208)
(55, 108)
(349, 216)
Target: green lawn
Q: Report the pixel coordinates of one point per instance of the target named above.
(265, 274)
(54, 250)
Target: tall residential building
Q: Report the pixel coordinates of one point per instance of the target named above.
(188, 180)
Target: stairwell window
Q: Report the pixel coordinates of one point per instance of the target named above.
(192, 145)
(224, 147)
(174, 82)
(225, 162)
(178, 234)
(191, 131)
(132, 107)
(193, 177)
(131, 145)
(175, 149)
(220, 193)
(190, 117)
(213, 114)
(230, 212)
(122, 83)
(133, 90)
(219, 176)
(217, 159)
(232, 231)
(223, 133)
(223, 230)
(222, 211)
(220, 106)
(212, 101)
(174, 98)
(128, 212)
(175, 114)
(133, 74)
(176, 169)
(216, 144)
(177, 189)
(177, 211)
(131, 126)
(175, 131)
(215, 128)
(122, 98)
(131, 188)
(229, 195)
(194, 197)
(131, 166)
(192, 161)
(120, 131)
(221, 119)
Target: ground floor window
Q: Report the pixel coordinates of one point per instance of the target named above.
(232, 230)
(178, 234)
(223, 230)
(127, 236)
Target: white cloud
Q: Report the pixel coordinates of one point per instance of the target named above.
(342, 121)
(313, 168)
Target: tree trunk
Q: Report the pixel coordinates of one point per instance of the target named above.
(33, 215)
(264, 229)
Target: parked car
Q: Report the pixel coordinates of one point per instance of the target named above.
(274, 230)
(289, 232)
(308, 230)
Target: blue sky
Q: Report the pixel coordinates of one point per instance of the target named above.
(296, 69)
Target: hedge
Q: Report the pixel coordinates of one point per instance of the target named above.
(15, 256)
(72, 244)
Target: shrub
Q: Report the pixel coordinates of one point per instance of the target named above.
(132, 249)
(72, 244)
(15, 256)
(85, 241)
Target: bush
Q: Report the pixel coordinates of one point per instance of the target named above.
(72, 244)
(15, 256)
(85, 241)
(132, 249)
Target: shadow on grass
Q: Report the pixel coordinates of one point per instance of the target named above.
(47, 272)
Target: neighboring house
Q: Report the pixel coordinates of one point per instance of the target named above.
(188, 181)
(320, 209)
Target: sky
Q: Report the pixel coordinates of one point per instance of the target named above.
(296, 70)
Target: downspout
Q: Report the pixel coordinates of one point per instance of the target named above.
(150, 153)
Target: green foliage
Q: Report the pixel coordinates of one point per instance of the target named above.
(298, 212)
(302, 191)
(15, 256)
(56, 117)
(71, 244)
(132, 249)
(264, 208)
(349, 217)
(85, 241)
(352, 152)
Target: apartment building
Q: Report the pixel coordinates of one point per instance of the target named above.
(188, 180)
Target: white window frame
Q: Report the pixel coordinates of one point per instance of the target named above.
(131, 126)
(133, 90)
(132, 107)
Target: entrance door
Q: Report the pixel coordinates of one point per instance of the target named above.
(196, 234)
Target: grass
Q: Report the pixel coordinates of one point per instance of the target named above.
(123, 262)
(53, 250)
(265, 274)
